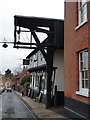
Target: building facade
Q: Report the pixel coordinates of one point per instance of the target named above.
(37, 69)
(76, 59)
(38, 83)
(54, 40)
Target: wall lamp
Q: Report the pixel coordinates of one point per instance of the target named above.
(5, 43)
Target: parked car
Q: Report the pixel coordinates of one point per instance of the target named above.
(9, 89)
(2, 89)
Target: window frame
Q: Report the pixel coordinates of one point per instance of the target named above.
(84, 91)
(80, 21)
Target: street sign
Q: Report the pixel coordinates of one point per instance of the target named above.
(25, 62)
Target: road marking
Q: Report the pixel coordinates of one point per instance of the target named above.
(29, 110)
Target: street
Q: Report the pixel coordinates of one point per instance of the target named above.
(13, 107)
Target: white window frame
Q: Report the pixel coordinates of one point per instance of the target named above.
(82, 17)
(83, 90)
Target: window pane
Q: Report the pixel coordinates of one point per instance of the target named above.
(81, 56)
(86, 55)
(82, 11)
(86, 74)
(86, 84)
(82, 74)
(80, 4)
(86, 60)
(82, 83)
(86, 64)
(82, 15)
(81, 65)
(83, 1)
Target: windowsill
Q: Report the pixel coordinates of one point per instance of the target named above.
(82, 94)
(79, 26)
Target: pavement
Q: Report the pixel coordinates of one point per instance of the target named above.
(40, 111)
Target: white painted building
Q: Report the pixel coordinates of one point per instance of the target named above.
(37, 69)
(58, 61)
(36, 60)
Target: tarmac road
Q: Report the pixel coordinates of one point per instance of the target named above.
(13, 107)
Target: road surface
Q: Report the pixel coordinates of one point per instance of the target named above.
(12, 107)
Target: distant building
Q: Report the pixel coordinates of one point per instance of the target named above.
(0, 75)
(7, 84)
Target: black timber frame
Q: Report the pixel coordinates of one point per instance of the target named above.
(54, 40)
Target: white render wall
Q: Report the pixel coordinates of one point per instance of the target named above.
(40, 60)
(58, 61)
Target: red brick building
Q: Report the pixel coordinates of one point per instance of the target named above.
(77, 59)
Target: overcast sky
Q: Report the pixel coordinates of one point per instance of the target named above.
(11, 57)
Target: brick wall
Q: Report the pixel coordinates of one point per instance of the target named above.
(89, 46)
(74, 41)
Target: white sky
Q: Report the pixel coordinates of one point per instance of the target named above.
(11, 57)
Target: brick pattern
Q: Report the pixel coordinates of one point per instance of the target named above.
(89, 47)
(74, 41)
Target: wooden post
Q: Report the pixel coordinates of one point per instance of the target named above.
(49, 69)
